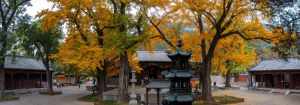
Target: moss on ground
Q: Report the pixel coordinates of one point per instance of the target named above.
(108, 103)
(93, 98)
(88, 98)
(8, 98)
(222, 100)
(50, 93)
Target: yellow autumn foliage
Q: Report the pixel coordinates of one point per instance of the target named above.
(232, 23)
(224, 27)
(85, 21)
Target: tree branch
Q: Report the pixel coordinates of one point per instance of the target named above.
(242, 35)
(210, 17)
(225, 11)
(163, 35)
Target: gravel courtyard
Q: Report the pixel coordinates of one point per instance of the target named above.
(262, 98)
(71, 94)
(69, 97)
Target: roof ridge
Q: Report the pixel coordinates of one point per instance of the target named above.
(277, 64)
(22, 56)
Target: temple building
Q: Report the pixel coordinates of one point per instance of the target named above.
(22, 73)
(154, 63)
(276, 73)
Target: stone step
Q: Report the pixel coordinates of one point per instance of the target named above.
(281, 91)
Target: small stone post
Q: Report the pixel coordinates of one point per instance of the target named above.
(133, 96)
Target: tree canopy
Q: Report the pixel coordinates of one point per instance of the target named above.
(216, 31)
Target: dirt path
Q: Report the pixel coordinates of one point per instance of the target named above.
(69, 97)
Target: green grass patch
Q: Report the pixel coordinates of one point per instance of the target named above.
(8, 98)
(108, 103)
(88, 98)
(93, 98)
(50, 93)
(222, 100)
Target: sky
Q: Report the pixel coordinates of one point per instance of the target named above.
(37, 6)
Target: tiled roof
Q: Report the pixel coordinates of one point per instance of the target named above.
(153, 56)
(277, 64)
(158, 84)
(23, 63)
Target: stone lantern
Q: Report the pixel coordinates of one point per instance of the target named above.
(180, 75)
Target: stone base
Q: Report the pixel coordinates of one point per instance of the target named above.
(133, 102)
(24, 91)
(111, 95)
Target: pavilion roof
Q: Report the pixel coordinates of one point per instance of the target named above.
(154, 84)
(277, 65)
(153, 56)
(23, 63)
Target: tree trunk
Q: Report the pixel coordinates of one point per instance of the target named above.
(227, 79)
(3, 45)
(207, 88)
(49, 78)
(124, 63)
(123, 77)
(207, 62)
(49, 81)
(77, 78)
(200, 74)
(100, 83)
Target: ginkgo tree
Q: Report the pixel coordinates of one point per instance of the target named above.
(209, 26)
(234, 56)
(85, 31)
(98, 32)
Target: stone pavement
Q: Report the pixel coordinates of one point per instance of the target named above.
(261, 98)
(69, 97)
(71, 94)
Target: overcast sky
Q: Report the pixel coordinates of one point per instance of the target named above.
(37, 6)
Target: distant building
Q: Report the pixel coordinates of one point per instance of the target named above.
(65, 79)
(22, 73)
(276, 73)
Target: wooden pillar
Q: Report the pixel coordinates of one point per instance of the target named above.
(250, 80)
(287, 80)
(41, 79)
(253, 80)
(147, 97)
(13, 80)
(282, 80)
(275, 82)
(292, 81)
(157, 90)
(10, 80)
(2, 80)
(28, 82)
